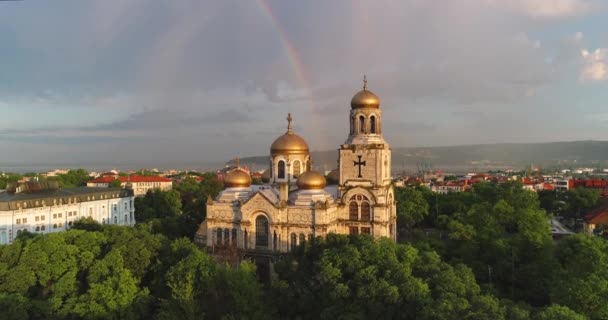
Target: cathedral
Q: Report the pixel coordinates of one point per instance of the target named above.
(295, 205)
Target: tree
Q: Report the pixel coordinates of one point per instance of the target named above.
(557, 312)
(581, 282)
(116, 183)
(412, 206)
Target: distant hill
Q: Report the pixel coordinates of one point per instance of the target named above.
(477, 157)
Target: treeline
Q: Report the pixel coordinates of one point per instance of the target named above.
(73, 178)
(487, 254)
(502, 233)
(111, 272)
(178, 212)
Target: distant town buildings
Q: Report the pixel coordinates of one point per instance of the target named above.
(41, 207)
(141, 184)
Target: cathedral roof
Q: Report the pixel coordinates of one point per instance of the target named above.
(311, 180)
(365, 98)
(237, 178)
(289, 143)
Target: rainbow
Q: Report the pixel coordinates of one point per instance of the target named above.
(292, 54)
(299, 70)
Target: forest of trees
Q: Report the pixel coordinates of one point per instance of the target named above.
(487, 254)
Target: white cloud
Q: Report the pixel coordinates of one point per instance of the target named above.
(595, 65)
(547, 9)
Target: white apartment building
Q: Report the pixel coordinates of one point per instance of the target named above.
(45, 210)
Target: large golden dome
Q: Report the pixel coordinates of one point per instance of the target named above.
(311, 180)
(289, 143)
(237, 178)
(365, 98)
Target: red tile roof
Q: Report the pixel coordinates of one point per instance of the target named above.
(598, 215)
(134, 179)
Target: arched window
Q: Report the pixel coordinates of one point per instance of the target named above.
(274, 241)
(362, 124)
(55, 226)
(296, 169)
(261, 232)
(372, 124)
(233, 236)
(294, 240)
(302, 239)
(115, 219)
(42, 228)
(37, 229)
(365, 211)
(246, 240)
(226, 235)
(126, 218)
(353, 211)
(218, 236)
(352, 124)
(281, 173)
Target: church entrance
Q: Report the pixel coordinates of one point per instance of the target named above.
(261, 232)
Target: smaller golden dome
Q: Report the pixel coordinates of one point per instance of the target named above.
(237, 178)
(365, 98)
(289, 143)
(311, 180)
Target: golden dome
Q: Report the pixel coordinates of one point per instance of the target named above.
(237, 178)
(311, 180)
(365, 98)
(289, 143)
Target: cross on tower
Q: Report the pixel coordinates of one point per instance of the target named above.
(359, 163)
(289, 119)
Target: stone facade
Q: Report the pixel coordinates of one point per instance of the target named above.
(47, 211)
(279, 217)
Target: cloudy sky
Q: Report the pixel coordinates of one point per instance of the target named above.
(193, 80)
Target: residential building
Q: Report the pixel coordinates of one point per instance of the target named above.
(41, 207)
(141, 184)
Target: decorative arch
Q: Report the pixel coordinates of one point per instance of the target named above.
(361, 124)
(281, 169)
(358, 190)
(262, 231)
(353, 211)
(372, 124)
(365, 211)
(293, 242)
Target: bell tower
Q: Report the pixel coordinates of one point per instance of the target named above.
(365, 168)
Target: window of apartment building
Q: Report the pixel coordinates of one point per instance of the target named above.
(42, 218)
(18, 221)
(59, 215)
(366, 230)
(54, 216)
(37, 218)
(353, 230)
(55, 226)
(43, 228)
(24, 220)
(115, 207)
(126, 204)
